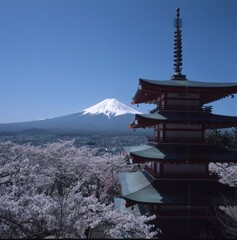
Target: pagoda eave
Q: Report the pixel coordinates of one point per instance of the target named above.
(138, 188)
(149, 90)
(209, 120)
(180, 153)
(139, 160)
(153, 123)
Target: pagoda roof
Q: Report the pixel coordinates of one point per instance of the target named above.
(180, 153)
(208, 119)
(149, 90)
(139, 188)
(188, 83)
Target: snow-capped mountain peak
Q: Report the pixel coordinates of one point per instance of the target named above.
(109, 107)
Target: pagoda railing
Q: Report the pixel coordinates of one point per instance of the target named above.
(207, 109)
(176, 140)
(180, 176)
(192, 211)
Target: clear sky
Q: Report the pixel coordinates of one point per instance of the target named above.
(58, 57)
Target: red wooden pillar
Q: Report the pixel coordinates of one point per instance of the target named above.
(165, 100)
(207, 169)
(203, 134)
(161, 169)
(164, 132)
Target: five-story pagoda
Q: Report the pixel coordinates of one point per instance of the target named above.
(176, 184)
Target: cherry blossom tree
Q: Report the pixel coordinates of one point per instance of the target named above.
(62, 190)
(227, 172)
(226, 214)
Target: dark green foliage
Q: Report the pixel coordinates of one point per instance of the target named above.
(225, 139)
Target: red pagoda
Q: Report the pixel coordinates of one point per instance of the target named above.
(176, 184)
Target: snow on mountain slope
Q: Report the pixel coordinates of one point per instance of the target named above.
(109, 107)
(109, 115)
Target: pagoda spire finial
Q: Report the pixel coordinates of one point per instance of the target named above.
(178, 48)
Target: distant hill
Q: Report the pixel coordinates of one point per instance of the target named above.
(106, 117)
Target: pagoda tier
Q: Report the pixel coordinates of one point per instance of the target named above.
(183, 154)
(205, 119)
(151, 91)
(139, 187)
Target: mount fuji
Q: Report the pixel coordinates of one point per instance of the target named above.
(107, 116)
(109, 107)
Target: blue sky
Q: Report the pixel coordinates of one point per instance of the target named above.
(58, 57)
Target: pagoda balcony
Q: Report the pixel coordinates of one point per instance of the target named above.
(177, 140)
(179, 176)
(207, 109)
(182, 211)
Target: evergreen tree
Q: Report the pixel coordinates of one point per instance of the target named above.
(226, 139)
(235, 137)
(213, 136)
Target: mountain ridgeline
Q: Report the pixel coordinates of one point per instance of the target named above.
(106, 117)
